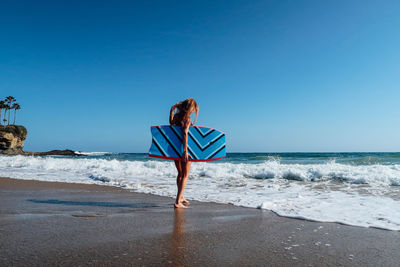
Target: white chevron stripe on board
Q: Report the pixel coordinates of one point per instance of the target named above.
(215, 151)
(203, 147)
(199, 129)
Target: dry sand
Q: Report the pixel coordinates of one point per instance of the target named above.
(43, 223)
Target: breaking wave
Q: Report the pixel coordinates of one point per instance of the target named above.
(363, 195)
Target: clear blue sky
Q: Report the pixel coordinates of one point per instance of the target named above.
(274, 75)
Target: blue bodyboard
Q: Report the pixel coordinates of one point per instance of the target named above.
(204, 144)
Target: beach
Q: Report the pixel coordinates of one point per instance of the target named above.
(359, 189)
(48, 223)
(276, 120)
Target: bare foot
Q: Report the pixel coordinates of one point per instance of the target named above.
(184, 201)
(179, 206)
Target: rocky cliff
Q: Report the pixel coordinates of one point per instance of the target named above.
(12, 138)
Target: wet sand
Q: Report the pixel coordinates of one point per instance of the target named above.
(45, 223)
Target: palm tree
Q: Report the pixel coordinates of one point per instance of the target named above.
(6, 108)
(2, 105)
(16, 107)
(9, 101)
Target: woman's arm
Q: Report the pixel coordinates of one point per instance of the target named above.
(185, 130)
(171, 114)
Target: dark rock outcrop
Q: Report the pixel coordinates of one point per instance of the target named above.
(12, 138)
(65, 152)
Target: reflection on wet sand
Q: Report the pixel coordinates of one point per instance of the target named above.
(177, 251)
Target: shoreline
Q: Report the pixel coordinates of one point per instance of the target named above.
(47, 223)
(310, 187)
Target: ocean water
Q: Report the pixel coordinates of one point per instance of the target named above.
(361, 189)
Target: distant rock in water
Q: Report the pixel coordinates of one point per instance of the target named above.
(65, 152)
(12, 138)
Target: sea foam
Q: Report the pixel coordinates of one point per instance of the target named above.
(362, 195)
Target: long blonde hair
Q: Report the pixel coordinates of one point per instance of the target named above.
(185, 108)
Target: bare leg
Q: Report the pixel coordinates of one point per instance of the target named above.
(185, 174)
(179, 178)
(179, 169)
(185, 168)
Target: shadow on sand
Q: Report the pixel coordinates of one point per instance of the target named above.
(94, 203)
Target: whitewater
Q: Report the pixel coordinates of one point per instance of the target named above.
(355, 189)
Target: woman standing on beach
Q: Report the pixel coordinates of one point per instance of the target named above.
(182, 118)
